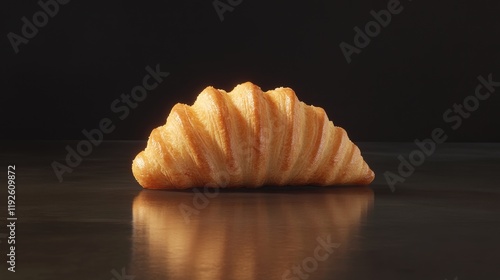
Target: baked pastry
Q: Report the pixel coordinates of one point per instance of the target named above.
(248, 138)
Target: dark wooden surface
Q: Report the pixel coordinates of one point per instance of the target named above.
(443, 222)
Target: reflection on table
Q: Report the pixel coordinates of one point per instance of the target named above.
(244, 234)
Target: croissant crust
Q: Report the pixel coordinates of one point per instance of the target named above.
(248, 138)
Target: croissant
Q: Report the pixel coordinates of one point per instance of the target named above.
(248, 138)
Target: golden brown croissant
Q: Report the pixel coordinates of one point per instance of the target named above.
(248, 138)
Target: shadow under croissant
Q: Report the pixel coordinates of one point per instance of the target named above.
(243, 234)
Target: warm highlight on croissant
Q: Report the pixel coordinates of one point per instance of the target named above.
(248, 138)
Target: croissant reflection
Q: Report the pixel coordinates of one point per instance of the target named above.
(242, 235)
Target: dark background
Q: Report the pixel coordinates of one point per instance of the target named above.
(396, 89)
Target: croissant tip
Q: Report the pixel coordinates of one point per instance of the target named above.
(369, 176)
(138, 165)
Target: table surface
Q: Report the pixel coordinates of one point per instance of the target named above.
(442, 222)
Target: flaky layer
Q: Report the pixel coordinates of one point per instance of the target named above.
(248, 138)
